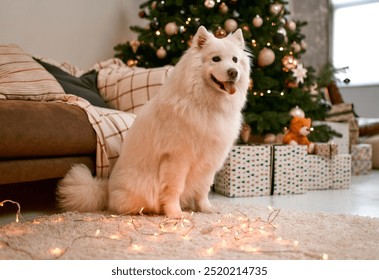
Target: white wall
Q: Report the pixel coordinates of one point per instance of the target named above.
(81, 32)
(365, 100)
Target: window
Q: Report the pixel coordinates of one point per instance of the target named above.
(355, 42)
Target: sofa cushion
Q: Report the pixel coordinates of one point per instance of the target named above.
(84, 86)
(129, 88)
(41, 129)
(21, 77)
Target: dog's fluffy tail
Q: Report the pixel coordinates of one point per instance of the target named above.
(80, 191)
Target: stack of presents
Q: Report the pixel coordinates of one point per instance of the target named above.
(260, 170)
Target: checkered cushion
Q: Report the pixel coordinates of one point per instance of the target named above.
(21, 77)
(127, 89)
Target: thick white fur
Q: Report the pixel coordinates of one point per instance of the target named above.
(179, 140)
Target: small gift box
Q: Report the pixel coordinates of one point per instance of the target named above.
(328, 172)
(361, 155)
(361, 152)
(289, 165)
(326, 149)
(361, 167)
(246, 172)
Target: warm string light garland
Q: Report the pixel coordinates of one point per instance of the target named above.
(234, 231)
(18, 213)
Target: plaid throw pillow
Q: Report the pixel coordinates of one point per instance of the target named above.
(127, 89)
(23, 78)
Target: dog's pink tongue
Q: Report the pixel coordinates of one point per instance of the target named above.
(230, 87)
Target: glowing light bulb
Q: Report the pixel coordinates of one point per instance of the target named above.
(136, 247)
(56, 252)
(209, 251)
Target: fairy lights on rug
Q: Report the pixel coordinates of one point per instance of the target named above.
(137, 234)
(18, 213)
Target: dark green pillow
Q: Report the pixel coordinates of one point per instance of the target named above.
(85, 86)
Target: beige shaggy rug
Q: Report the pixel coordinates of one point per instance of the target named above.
(236, 233)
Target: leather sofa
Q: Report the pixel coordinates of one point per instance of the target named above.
(41, 140)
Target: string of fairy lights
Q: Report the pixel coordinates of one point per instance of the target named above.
(233, 231)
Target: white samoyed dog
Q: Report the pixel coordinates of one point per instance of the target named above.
(179, 140)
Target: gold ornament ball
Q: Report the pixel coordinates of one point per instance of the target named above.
(297, 112)
(230, 25)
(296, 47)
(171, 28)
(223, 8)
(291, 25)
(257, 21)
(281, 30)
(209, 4)
(266, 57)
(161, 53)
(275, 9)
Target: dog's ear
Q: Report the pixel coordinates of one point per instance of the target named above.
(238, 37)
(201, 36)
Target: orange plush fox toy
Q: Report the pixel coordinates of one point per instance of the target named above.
(298, 132)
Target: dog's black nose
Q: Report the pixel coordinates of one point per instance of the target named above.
(232, 72)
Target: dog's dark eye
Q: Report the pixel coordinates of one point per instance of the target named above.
(216, 58)
(235, 59)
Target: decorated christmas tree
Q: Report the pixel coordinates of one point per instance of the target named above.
(279, 80)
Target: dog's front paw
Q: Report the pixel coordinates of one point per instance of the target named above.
(207, 207)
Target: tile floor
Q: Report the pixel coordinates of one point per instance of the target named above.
(362, 198)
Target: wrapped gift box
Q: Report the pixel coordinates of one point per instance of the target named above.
(361, 152)
(326, 149)
(246, 172)
(361, 167)
(341, 171)
(280, 169)
(289, 165)
(326, 172)
(361, 155)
